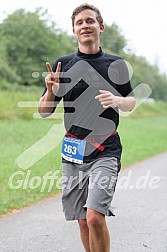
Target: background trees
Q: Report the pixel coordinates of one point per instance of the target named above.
(29, 39)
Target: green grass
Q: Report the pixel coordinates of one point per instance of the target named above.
(10, 99)
(17, 136)
(143, 134)
(142, 138)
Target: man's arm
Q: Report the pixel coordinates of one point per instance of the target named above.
(46, 102)
(108, 100)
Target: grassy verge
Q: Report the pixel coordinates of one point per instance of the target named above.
(17, 137)
(142, 138)
(143, 134)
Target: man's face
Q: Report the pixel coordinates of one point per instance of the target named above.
(86, 27)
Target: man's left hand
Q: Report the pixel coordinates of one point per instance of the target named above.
(107, 99)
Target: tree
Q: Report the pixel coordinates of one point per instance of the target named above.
(112, 40)
(6, 73)
(144, 72)
(31, 41)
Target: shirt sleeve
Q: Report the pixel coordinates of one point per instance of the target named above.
(123, 84)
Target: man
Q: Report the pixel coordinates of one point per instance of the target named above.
(91, 149)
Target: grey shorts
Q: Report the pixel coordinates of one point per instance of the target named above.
(89, 185)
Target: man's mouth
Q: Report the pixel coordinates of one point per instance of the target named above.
(86, 33)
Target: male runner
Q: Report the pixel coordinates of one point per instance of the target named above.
(91, 151)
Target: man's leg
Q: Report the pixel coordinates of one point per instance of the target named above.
(99, 238)
(94, 232)
(100, 199)
(84, 233)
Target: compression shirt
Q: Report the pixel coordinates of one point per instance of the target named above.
(82, 76)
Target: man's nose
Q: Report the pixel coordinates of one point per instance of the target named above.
(85, 25)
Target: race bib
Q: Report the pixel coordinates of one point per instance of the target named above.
(73, 149)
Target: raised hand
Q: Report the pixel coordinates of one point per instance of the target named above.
(52, 79)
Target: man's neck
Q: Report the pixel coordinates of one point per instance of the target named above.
(89, 49)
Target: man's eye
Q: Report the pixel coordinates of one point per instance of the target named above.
(90, 21)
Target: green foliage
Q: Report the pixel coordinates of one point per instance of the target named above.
(29, 39)
(6, 72)
(143, 72)
(112, 40)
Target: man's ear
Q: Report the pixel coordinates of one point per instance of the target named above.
(101, 28)
(74, 32)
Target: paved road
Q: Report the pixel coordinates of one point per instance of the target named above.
(140, 224)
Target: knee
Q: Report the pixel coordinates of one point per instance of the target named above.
(94, 219)
(83, 224)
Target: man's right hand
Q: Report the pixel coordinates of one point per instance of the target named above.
(52, 79)
(52, 84)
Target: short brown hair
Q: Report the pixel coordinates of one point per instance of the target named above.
(86, 6)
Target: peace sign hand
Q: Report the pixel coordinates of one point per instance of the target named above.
(52, 79)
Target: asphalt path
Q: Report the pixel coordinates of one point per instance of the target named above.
(139, 225)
